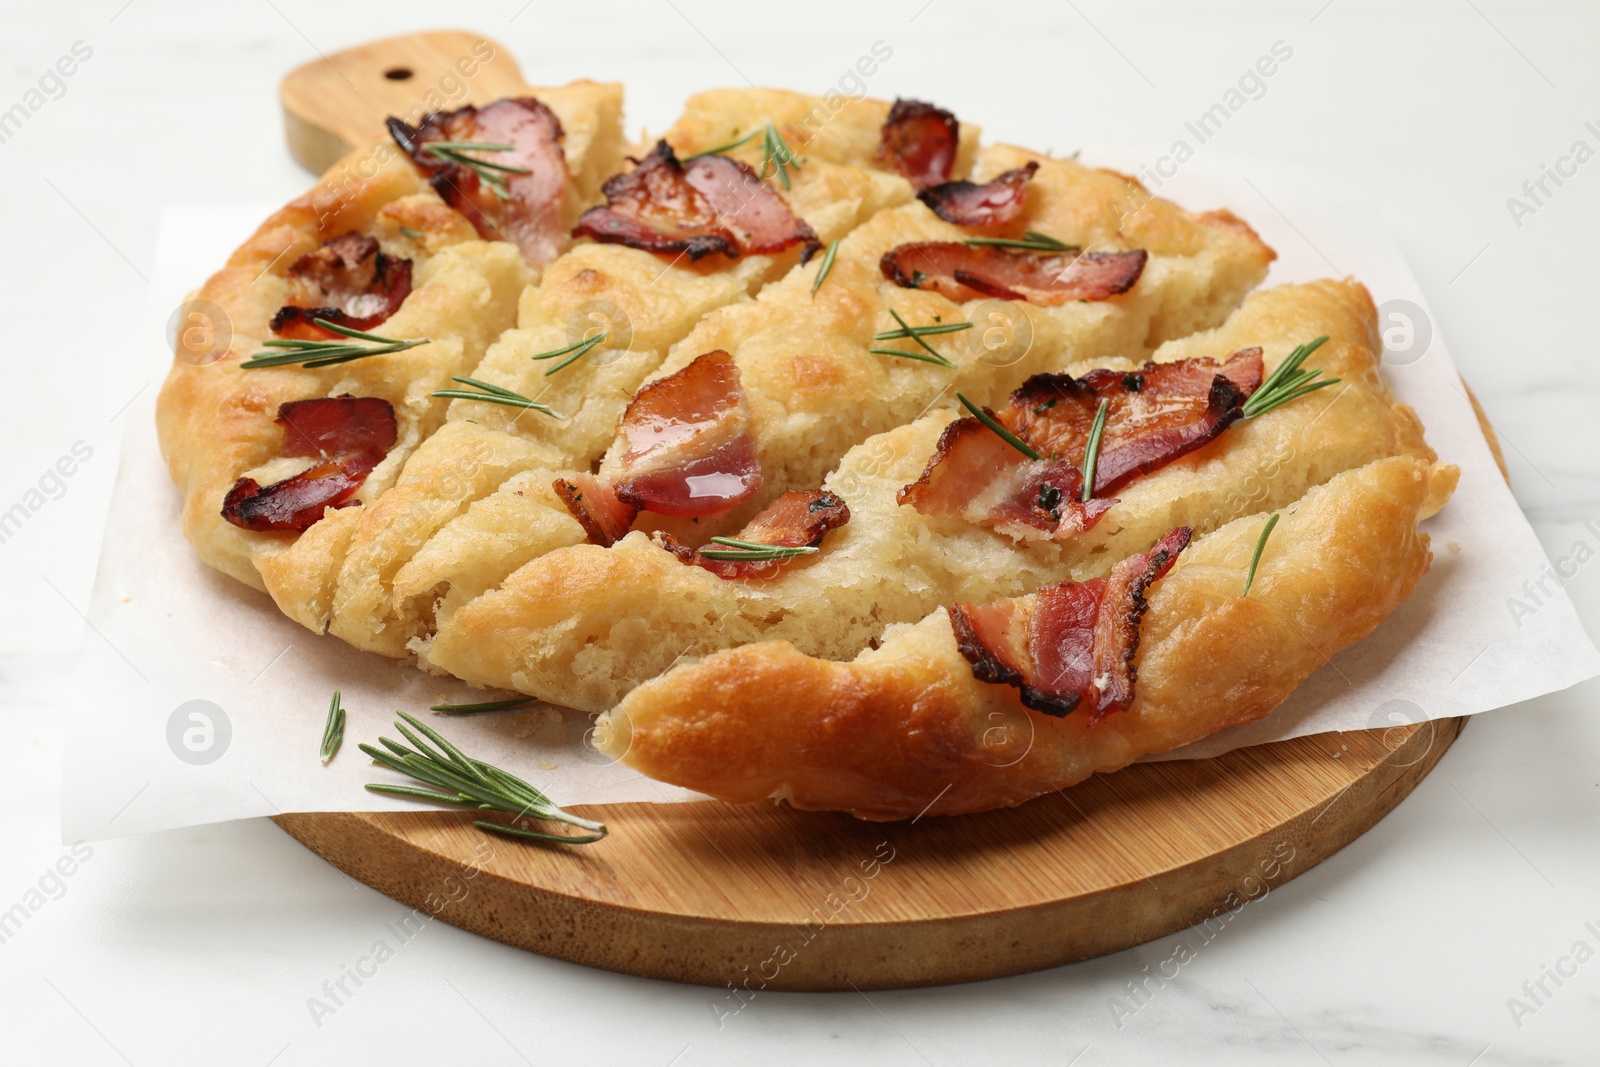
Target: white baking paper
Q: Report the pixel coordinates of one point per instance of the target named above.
(196, 701)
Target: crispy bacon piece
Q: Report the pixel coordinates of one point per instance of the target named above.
(966, 272)
(797, 518)
(994, 203)
(351, 434)
(348, 282)
(919, 141)
(686, 450)
(529, 213)
(593, 503)
(1153, 416)
(709, 204)
(1070, 644)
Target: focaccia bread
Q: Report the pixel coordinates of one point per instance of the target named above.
(815, 444)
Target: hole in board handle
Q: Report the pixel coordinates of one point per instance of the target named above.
(397, 74)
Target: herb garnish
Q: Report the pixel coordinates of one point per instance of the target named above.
(333, 732)
(737, 551)
(730, 146)
(1005, 435)
(1287, 382)
(492, 394)
(1091, 451)
(487, 705)
(776, 154)
(917, 333)
(827, 265)
(460, 779)
(1050, 501)
(573, 352)
(1256, 558)
(492, 174)
(1034, 241)
(327, 353)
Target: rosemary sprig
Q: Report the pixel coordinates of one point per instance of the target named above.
(492, 174)
(1256, 557)
(573, 352)
(487, 705)
(739, 551)
(327, 353)
(1287, 382)
(1033, 241)
(776, 154)
(490, 393)
(409, 232)
(827, 265)
(1005, 435)
(731, 145)
(916, 333)
(457, 778)
(1091, 451)
(333, 732)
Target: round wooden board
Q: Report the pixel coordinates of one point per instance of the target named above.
(718, 894)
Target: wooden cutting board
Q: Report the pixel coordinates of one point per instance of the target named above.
(766, 897)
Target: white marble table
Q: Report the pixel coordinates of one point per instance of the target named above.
(203, 946)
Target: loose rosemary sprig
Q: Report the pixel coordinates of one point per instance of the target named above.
(1033, 241)
(492, 174)
(327, 353)
(487, 705)
(731, 145)
(776, 154)
(573, 352)
(1256, 557)
(490, 393)
(827, 265)
(457, 778)
(333, 732)
(1091, 451)
(738, 551)
(1005, 435)
(916, 333)
(1287, 382)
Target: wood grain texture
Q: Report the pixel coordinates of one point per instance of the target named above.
(717, 894)
(338, 102)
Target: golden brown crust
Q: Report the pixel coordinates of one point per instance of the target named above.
(907, 728)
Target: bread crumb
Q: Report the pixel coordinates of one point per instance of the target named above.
(547, 766)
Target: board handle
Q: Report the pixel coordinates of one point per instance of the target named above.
(338, 102)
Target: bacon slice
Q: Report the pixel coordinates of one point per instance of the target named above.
(966, 272)
(994, 203)
(686, 450)
(711, 204)
(800, 517)
(529, 213)
(348, 282)
(595, 505)
(1153, 416)
(919, 141)
(351, 434)
(1070, 644)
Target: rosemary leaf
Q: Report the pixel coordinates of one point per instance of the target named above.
(487, 705)
(490, 393)
(777, 155)
(573, 352)
(1004, 434)
(731, 145)
(940, 360)
(917, 337)
(1091, 451)
(827, 265)
(737, 551)
(1256, 557)
(333, 732)
(322, 353)
(1034, 241)
(1287, 382)
(921, 331)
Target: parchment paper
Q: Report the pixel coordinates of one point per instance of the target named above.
(196, 701)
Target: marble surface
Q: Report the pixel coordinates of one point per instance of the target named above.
(1450, 934)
